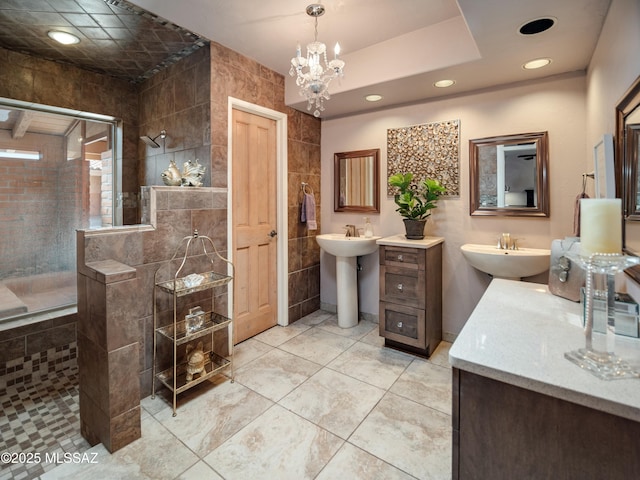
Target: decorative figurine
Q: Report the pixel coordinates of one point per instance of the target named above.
(171, 176)
(195, 360)
(192, 174)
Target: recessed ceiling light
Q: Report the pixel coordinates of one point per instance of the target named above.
(537, 63)
(536, 26)
(63, 37)
(373, 97)
(444, 83)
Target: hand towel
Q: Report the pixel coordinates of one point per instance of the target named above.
(308, 213)
(576, 214)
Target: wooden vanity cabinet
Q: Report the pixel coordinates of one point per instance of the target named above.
(411, 297)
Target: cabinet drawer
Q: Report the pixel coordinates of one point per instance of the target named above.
(403, 324)
(402, 257)
(402, 285)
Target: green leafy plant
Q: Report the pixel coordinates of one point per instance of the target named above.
(415, 201)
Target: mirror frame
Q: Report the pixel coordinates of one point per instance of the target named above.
(626, 167)
(541, 140)
(337, 158)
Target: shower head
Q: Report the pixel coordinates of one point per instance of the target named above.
(152, 141)
(149, 141)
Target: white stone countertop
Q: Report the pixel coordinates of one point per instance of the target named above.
(518, 334)
(401, 241)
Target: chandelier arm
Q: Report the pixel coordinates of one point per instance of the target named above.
(312, 76)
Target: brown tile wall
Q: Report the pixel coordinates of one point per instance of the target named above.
(37, 206)
(240, 77)
(33, 351)
(27, 78)
(176, 100)
(115, 311)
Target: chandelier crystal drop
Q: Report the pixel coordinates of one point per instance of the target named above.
(314, 73)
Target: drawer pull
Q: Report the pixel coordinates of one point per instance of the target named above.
(400, 258)
(400, 287)
(399, 324)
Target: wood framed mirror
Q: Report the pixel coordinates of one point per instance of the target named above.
(508, 175)
(357, 181)
(627, 155)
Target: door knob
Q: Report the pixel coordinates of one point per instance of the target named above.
(272, 233)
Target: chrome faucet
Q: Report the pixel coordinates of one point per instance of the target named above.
(352, 231)
(505, 242)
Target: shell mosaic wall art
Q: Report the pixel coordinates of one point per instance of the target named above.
(427, 150)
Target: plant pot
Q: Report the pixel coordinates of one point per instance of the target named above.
(414, 228)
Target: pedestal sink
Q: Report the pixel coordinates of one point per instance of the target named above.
(510, 264)
(346, 249)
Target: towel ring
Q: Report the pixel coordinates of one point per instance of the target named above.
(304, 188)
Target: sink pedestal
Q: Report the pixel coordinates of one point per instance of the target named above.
(347, 250)
(347, 285)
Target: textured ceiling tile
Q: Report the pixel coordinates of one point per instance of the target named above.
(66, 6)
(97, 33)
(80, 19)
(117, 37)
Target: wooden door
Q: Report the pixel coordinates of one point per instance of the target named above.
(254, 224)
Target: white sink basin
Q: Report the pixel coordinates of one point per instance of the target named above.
(340, 246)
(515, 264)
(346, 249)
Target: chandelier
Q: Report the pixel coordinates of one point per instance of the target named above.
(314, 73)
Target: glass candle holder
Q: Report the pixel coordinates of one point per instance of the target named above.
(598, 356)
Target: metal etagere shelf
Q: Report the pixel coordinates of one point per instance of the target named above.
(180, 376)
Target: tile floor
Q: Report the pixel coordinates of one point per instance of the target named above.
(310, 401)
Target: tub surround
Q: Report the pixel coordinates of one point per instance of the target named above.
(511, 381)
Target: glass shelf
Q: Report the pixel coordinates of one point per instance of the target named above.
(210, 280)
(213, 322)
(213, 365)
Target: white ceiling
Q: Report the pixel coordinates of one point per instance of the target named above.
(399, 48)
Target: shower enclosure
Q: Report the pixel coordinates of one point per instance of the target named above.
(56, 176)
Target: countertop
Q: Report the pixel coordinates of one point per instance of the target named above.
(401, 241)
(518, 334)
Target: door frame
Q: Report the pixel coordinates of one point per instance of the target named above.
(282, 224)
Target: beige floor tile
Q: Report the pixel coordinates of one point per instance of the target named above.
(205, 422)
(248, 351)
(317, 345)
(277, 335)
(146, 458)
(277, 445)
(200, 471)
(441, 355)
(333, 401)
(373, 338)
(355, 464)
(374, 365)
(315, 318)
(276, 373)
(414, 438)
(427, 384)
(360, 330)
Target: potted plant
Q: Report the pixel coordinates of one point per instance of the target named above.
(415, 201)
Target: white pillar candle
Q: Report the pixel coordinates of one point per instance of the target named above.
(600, 225)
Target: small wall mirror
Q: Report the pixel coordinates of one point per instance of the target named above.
(508, 175)
(357, 181)
(626, 157)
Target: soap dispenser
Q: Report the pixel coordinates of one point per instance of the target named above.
(368, 228)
